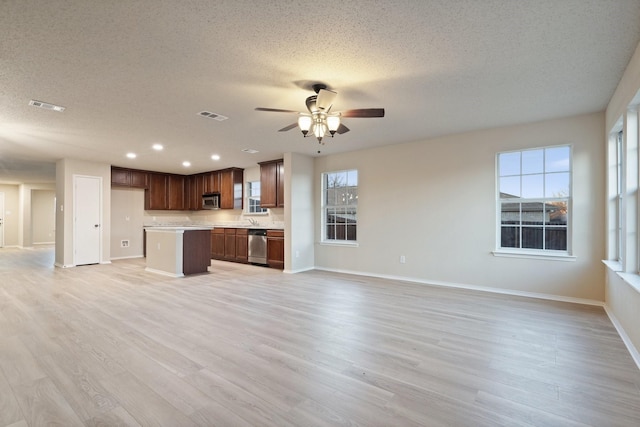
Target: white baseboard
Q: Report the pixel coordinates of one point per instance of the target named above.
(301, 270)
(625, 338)
(127, 257)
(57, 264)
(471, 287)
(164, 273)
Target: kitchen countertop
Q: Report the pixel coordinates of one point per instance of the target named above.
(212, 226)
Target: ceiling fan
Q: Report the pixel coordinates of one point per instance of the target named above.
(320, 120)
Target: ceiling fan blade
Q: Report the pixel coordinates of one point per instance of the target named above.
(275, 110)
(342, 129)
(286, 128)
(325, 99)
(363, 112)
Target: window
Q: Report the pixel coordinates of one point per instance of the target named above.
(534, 192)
(253, 198)
(339, 205)
(618, 208)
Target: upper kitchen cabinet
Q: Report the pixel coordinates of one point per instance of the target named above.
(122, 177)
(176, 192)
(272, 184)
(211, 182)
(231, 181)
(155, 198)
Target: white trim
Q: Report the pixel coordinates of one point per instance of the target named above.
(127, 257)
(347, 243)
(635, 355)
(57, 264)
(551, 297)
(300, 270)
(164, 273)
(534, 255)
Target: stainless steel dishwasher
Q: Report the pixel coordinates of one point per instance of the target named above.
(257, 246)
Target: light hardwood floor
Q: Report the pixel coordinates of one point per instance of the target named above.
(110, 345)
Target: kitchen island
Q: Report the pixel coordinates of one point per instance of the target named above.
(177, 251)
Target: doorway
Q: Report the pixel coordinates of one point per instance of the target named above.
(87, 219)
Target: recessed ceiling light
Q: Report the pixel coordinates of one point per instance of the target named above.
(131, 155)
(186, 164)
(215, 157)
(157, 147)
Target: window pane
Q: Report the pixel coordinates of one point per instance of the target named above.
(532, 237)
(330, 197)
(556, 239)
(532, 161)
(331, 231)
(557, 159)
(556, 184)
(351, 232)
(532, 214)
(352, 195)
(532, 186)
(556, 213)
(509, 164)
(510, 213)
(510, 237)
(352, 178)
(509, 186)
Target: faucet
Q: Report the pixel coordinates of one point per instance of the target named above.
(253, 221)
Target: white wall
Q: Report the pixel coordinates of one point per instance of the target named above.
(435, 203)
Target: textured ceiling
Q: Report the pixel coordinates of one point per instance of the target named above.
(133, 73)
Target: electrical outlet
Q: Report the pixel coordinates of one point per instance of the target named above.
(124, 243)
(402, 259)
(297, 254)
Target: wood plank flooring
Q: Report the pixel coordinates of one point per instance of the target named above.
(113, 345)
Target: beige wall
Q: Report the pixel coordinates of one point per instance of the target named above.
(43, 224)
(299, 213)
(623, 300)
(127, 213)
(11, 215)
(435, 203)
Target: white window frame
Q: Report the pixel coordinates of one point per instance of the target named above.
(325, 207)
(250, 196)
(562, 255)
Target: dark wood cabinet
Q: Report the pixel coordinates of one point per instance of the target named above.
(275, 249)
(242, 245)
(122, 177)
(181, 192)
(231, 188)
(155, 198)
(211, 182)
(175, 192)
(196, 250)
(230, 244)
(217, 243)
(272, 184)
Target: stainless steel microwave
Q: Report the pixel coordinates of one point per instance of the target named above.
(211, 201)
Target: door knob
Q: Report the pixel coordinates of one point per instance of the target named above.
(97, 225)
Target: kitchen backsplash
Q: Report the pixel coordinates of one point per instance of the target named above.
(223, 217)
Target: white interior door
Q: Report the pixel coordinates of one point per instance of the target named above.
(1, 220)
(87, 229)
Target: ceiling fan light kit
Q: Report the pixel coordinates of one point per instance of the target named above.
(320, 121)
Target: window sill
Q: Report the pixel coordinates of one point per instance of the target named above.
(534, 255)
(339, 243)
(631, 279)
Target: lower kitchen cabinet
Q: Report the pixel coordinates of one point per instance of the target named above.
(242, 245)
(230, 244)
(217, 243)
(275, 249)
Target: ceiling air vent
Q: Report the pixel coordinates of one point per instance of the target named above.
(213, 116)
(46, 105)
(250, 150)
